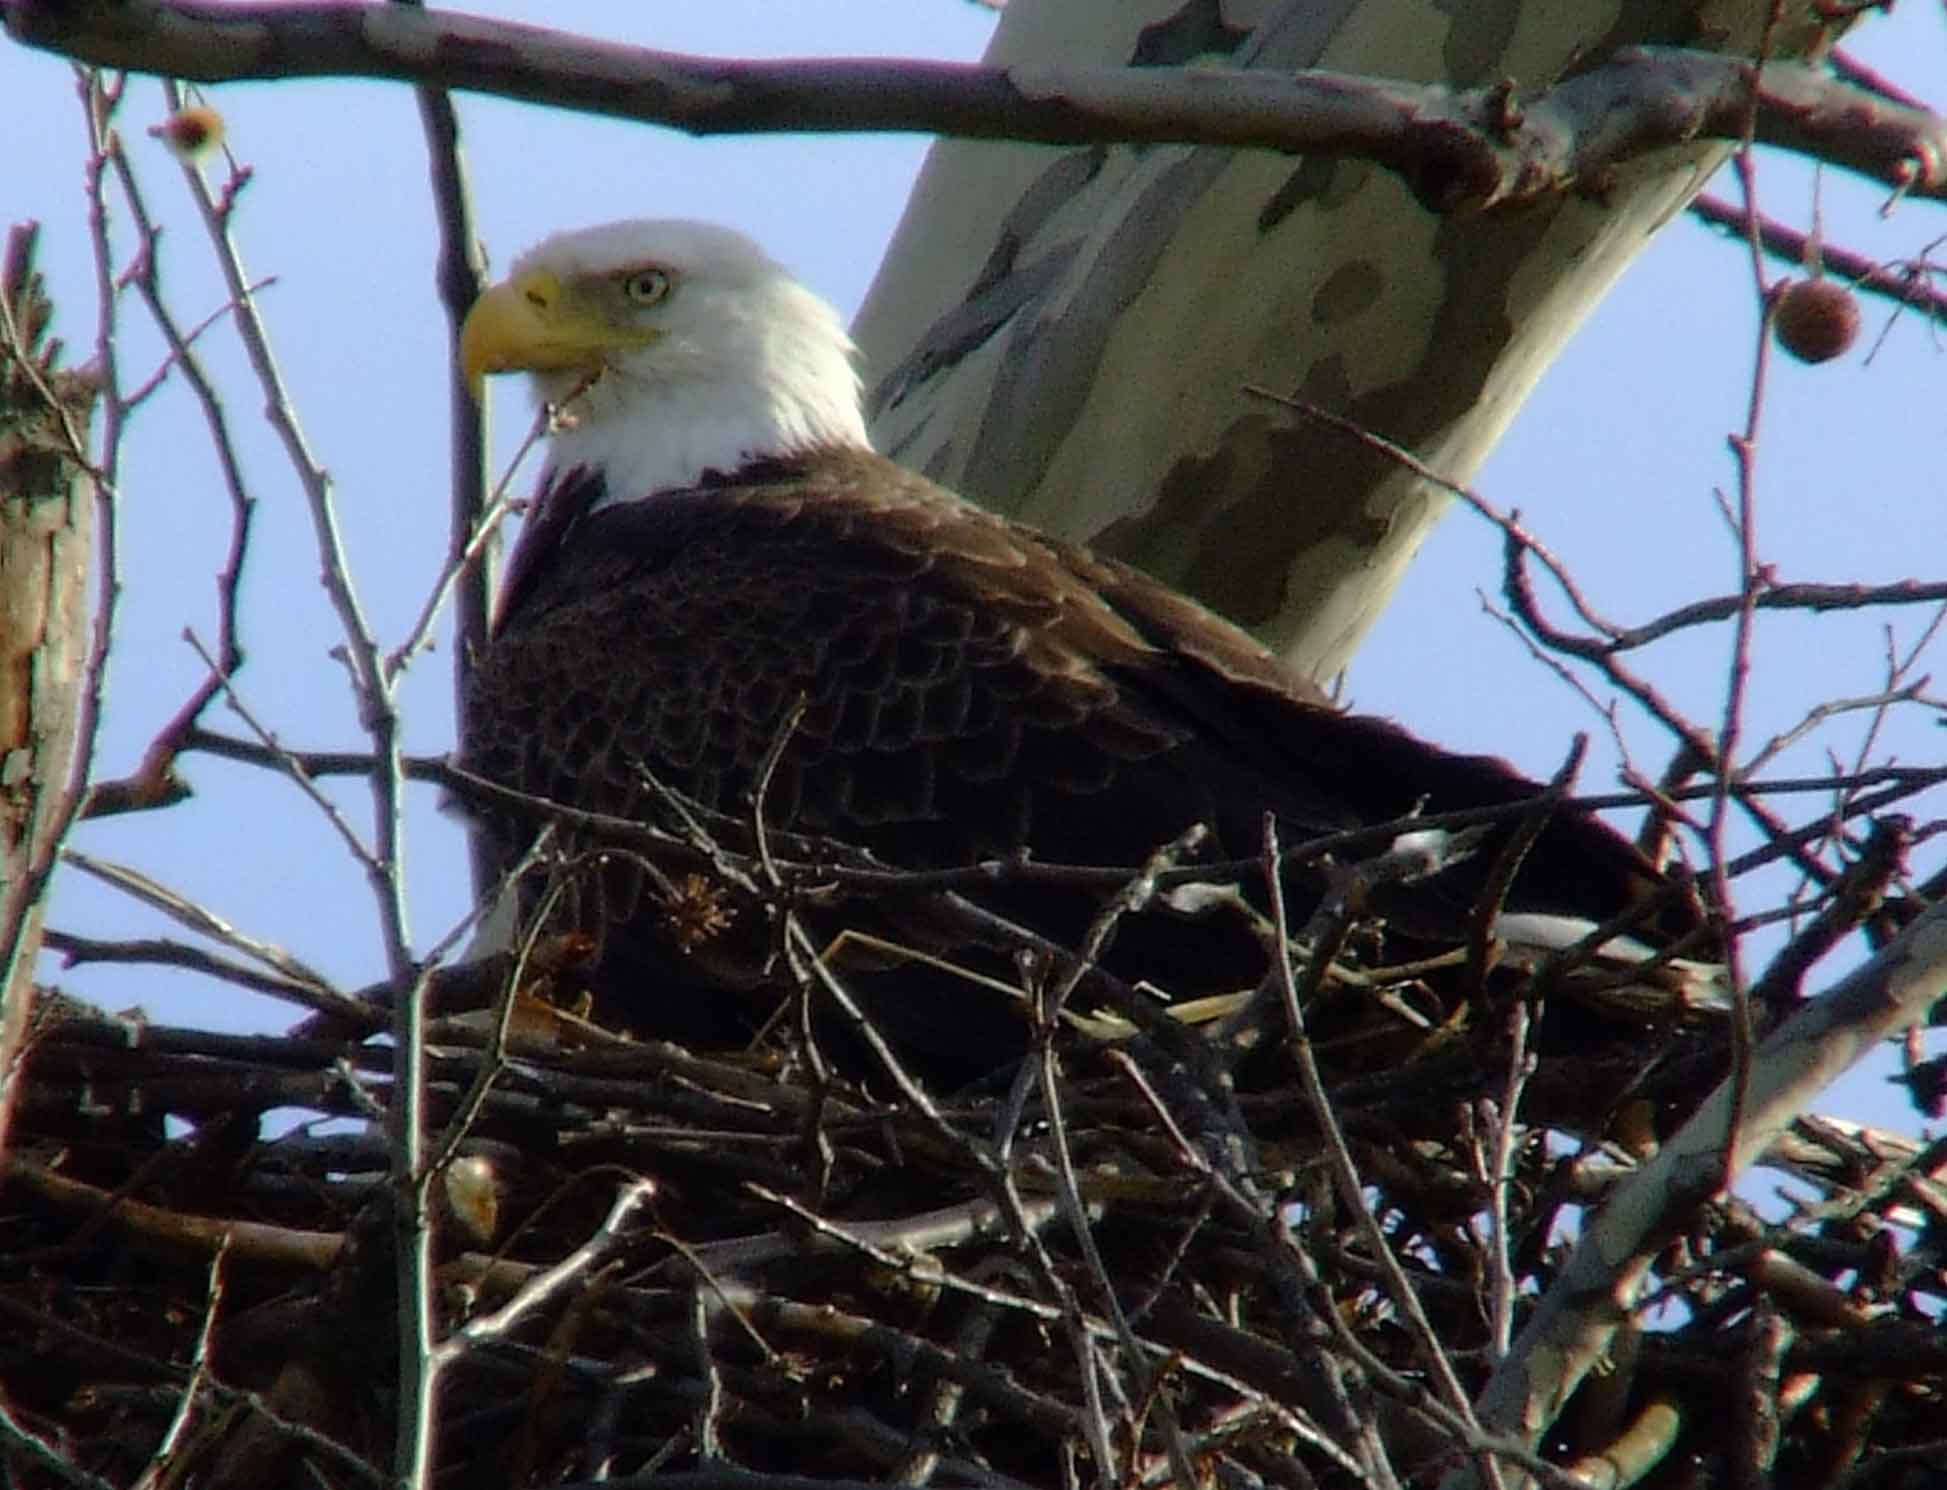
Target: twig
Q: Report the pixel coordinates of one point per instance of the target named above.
(709, 1412)
(1855, 896)
(186, 912)
(609, 1238)
(1773, 594)
(761, 790)
(76, 951)
(1908, 283)
(1333, 914)
(43, 1453)
(293, 768)
(465, 564)
(884, 1241)
(1144, 1381)
(1744, 449)
(1500, 1175)
(1898, 665)
(384, 868)
(1606, 711)
(160, 1470)
(493, 1058)
(746, 1300)
(1568, 1331)
(157, 762)
(473, 518)
(1899, 781)
(903, 1246)
(1517, 544)
(1485, 913)
(1826, 711)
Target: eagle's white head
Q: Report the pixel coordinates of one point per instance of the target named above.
(672, 348)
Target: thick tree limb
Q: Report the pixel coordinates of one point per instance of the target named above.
(1036, 311)
(1179, 274)
(1477, 147)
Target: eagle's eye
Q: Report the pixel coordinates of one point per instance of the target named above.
(647, 286)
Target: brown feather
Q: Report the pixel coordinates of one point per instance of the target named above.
(971, 689)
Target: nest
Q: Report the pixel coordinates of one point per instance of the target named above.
(1138, 1256)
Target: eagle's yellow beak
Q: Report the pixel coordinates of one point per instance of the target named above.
(535, 323)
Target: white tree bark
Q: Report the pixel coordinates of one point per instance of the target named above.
(1066, 335)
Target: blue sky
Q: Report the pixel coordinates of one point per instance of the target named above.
(1614, 460)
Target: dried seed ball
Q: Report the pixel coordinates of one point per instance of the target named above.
(191, 133)
(1816, 319)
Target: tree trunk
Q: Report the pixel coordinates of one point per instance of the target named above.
(46, 533)
(1066, 336)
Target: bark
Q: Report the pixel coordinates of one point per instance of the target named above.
(1068, 336)
(1459, 149)
(46, 529)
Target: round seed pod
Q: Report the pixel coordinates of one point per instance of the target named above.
(1816, 319)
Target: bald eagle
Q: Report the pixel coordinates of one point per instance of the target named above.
(715, 547)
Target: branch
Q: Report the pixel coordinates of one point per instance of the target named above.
(1330, 925)
(1517, 545)
(76, 951)
(186, 912)
(1474, 148)
(578, 1268)
(462, 272)
(375, 693)
(1907, 282)
(1772, 594)
(155, 782)
(1896, 783)
(285, 1246)
(47, 1455)
(1571, 1327)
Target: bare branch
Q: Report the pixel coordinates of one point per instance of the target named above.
(471, 524)
(1907, 282)
(161, 952)
(186, 912)
(347, 835)
(578, 1267)
(1477, 148)
(1517, 545)
(162, 1468)
(1743, 517)
(39, 1451)
(1569, 1330)
(384, 864)
(155, 780)
(177, 1229)
(1330, 926)
(1773, 594)
(1897, 783)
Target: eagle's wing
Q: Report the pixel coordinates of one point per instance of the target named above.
(970, 689)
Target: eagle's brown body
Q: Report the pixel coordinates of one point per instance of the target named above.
(971, 689)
